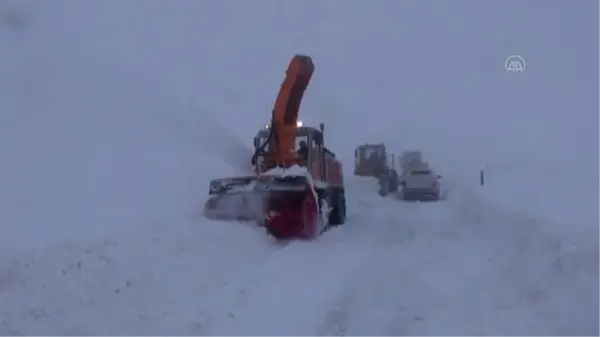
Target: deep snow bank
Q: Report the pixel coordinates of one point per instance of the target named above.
(92, 144)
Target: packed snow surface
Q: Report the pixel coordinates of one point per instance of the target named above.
(294, 170)
(115, 115)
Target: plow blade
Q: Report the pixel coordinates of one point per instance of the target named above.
(234, 207)
(285, 206)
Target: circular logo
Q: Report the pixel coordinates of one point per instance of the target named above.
(515, 64)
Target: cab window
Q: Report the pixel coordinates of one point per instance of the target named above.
(300, 139)
(367, 151)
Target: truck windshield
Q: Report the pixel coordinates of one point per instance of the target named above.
(300, 139)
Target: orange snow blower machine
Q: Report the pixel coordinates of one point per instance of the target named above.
(297, 187)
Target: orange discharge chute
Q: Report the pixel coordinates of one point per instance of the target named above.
(285, 113)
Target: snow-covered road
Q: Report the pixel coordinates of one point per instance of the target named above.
(448, 268)
(394, 269)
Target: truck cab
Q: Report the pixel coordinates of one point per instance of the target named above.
(370, 160)
(310, 152)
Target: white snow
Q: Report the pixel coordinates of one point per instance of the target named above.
(115, 115)
(294, 170)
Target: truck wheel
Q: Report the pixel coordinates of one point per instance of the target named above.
(338, 213)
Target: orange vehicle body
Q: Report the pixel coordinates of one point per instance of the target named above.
(334, 169)
(293, 211)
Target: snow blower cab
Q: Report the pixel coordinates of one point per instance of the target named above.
(306, 150)
(370, 160)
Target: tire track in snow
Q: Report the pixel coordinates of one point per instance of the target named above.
(289, 293)
(193, 315)
(366, 288)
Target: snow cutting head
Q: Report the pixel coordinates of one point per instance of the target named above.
(290, 206)
(231, 185)
(242, 198)
(232, 199)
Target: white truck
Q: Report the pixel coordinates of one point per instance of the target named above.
(417, 180)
